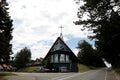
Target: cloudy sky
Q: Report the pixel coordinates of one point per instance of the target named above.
(36, 25)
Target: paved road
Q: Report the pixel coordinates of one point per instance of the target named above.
(99, 74)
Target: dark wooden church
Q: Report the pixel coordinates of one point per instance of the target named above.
(62, 59)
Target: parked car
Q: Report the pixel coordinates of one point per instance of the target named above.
(63, 69)
(42, 69)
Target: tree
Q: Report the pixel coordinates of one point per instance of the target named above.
(2, 43)
(85, 52)
(87, 55)
(5, 32)
(104, 20)
(22, 58)
(48, 64)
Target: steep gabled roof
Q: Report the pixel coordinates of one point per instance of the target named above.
(58, 46)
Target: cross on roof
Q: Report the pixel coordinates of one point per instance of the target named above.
(61, 28)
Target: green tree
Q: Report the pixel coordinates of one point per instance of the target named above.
(22, 58)
(48, 64)
(87, 55)
(5, 32)
(2, 43)
(85, 52)
(104, 20)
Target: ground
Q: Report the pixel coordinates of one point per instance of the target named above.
(98, 74)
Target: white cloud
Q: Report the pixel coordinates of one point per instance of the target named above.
(36, 23)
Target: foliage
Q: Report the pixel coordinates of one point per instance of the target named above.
(22, 58)
(87, 55)
(103, 19)
(5, 32)
(48, 64)
(85, 51)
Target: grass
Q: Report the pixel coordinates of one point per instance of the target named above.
(3, 74)
(117, 70)
(29, 69)
(83, 68)
(6, 74)
(1, 78)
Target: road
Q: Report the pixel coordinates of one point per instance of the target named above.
(98, 74)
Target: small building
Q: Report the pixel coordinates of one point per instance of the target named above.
(62, 59)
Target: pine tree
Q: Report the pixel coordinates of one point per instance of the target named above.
(104, 20)
(5, 32)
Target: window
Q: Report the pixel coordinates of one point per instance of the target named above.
(67, 58)
(62, 57)
(55, 58)
(52, 58)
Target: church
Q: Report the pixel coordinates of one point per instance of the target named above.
(62, 59)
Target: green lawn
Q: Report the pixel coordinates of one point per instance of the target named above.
(117, 70)
(83, 68)
(2, 74)
(1, 78)
(29, 69)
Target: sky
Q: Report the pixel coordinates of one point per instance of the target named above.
(36, 25)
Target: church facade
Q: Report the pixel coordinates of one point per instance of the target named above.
(62, 59)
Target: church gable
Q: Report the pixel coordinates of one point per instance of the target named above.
(59, 45)
(61, 56)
